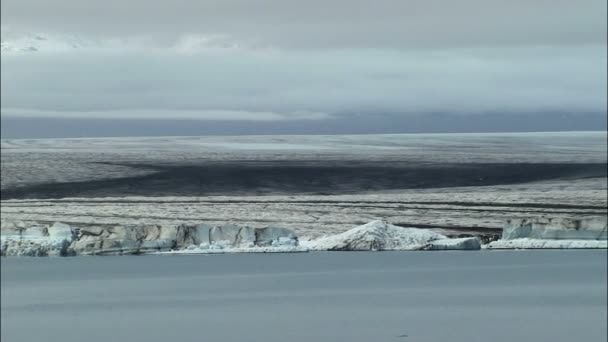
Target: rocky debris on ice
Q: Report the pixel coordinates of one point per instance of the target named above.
(526, 243)
(556, 229)
(382, 236)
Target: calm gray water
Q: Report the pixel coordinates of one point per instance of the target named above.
(416, 296)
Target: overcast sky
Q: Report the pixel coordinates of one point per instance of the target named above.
(278, 63)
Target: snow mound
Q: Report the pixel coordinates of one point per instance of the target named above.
(526, 243)
(376, 236)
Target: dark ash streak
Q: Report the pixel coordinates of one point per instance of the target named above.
(290, 178)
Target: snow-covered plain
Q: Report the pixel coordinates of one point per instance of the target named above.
(450, 212)
(66, 160)
(453, 211)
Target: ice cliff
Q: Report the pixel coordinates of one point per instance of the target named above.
(558, 233)
(59, 239)
(63, 240)
(31, 239)
(556, 229)
(36, 240)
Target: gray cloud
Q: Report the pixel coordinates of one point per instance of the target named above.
(303, 62)
(325, 24)
(284, 84)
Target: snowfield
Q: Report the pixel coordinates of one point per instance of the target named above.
(455, 186)
(35, 161)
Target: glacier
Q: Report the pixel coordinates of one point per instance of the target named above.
(60, 239)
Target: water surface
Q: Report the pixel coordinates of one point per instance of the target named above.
(340, 296)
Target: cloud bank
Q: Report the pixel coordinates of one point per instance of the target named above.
(283, 84)
(274, 60)
(296, 24)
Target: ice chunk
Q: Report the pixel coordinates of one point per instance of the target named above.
(35, 232)
(245, 237)
(224, 250)
(285, 241)
(526, 243)
(468, 243)
(35, 241)
(224, 233)
(60, 231)
(265, 236)
(220, 244)
(202, 234)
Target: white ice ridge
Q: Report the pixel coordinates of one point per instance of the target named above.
(382, 236)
